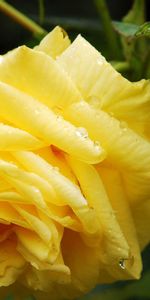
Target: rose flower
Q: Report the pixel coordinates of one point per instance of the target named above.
(74, 170)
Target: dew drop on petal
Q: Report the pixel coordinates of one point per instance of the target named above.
(101, 60)
(36, 191)
(122, 264)
(37, 112)
(1, 58)
(123, 125)
(111, 114)
(94, 101)
(97, 145)
(34, 265)
(82, 132)
(59, 118)
(56, 169)
(82, 103)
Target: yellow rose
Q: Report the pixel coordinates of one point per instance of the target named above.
(74, 170)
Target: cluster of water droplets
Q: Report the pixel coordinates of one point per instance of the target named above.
(123, 126)
(82, 132)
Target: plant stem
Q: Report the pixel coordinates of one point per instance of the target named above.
(21, 19)
(41, 11)
(108, 28)
(120, 66)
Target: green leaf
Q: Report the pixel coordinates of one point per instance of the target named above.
(136, 14)
(133, 33)
(136, 47)
(144, 30)
(129, 30)
(126, 29)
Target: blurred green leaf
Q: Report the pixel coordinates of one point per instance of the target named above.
(111, 37)
(136, 14)
(126, 29)
(30, 298)
(144, 30)
(138, 290)
(133, 33)
(10, 297)
(129, 30)
(41, 11)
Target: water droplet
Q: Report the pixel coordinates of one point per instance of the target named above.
(37, 111)
(57, 109)
(100, 60)
(94, 101)
(36, 191)
(111, 113)
(1, 58)
(123, 125)
(97, 145)
(56, 169)
(82, 132)
(124, 129)
(122, 264)
(34, 265)
(59, 118)
(82, 103)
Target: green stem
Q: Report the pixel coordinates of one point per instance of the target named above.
(41, 11)
(21, 18)
(108, 28)
(120, 66)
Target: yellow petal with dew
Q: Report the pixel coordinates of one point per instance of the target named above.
(34, 222)
(32, 243)
(125, 100)
(45, 280)
(8, 170)
(57, 231)
(54, 43)
(125, 149)
(64, 216)
(39, 254)
(4, 185)
(34, 117)
(28, 181)
(114, 245)
(12, 196)
(56, 158)
(90, 72)
(137, 185)
(131, 268)
(67, 192)
(141, 215)
(11, 263)
(76, 253)
(10, 215)
(6, 156)
(38, 75)
(13, 139)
